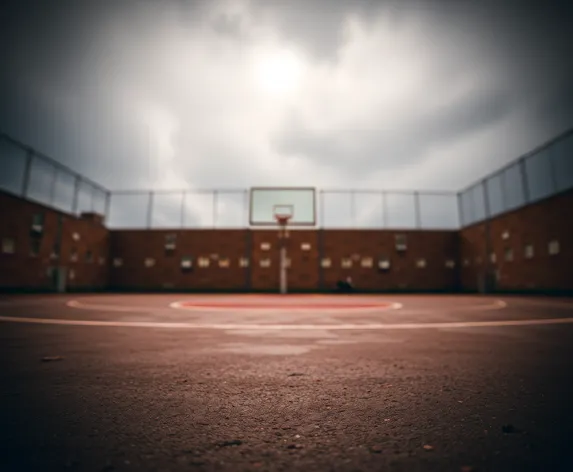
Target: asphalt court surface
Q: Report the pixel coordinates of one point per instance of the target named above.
(353, 312)
(300, 382)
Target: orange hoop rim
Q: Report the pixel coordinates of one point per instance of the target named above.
(283, 220)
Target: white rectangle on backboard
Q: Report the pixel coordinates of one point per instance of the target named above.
(264, 200)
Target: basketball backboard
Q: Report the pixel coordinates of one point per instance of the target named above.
(299, 203)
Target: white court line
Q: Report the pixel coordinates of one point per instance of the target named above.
(286, 308)
(231, 308)
(545, 303)
(283, 327)
(85, 306)
(498, 304)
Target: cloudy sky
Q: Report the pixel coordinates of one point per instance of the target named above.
(424, 94)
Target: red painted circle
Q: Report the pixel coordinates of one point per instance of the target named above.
(299, 305)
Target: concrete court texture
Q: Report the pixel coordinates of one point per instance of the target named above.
(177, 382)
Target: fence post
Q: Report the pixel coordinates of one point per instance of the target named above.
(53, 186)
(353, 207)
(486, 202)
(524, 182)
(503, 184)
(472, 206)
(246, 208)
(77, 182)
(552, 169)
(215, 207)
(92, 204)
(27, 170)
(107, 207)
(384, 210)
(150, 210)
(460, 210)
(183, 198)
(417, 210)
(321, 216)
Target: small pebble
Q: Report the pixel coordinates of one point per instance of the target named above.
(294, 446)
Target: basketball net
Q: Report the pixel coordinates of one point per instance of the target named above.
(282, 221)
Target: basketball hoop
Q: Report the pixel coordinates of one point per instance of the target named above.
(283, 219)
(283, 214)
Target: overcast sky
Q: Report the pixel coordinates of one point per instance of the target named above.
(430, 94)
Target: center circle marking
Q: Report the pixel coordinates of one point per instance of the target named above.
(324, 306)
(286, 306)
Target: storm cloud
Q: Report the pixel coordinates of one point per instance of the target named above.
(387, 94)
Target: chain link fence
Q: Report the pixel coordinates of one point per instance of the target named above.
(387, 209)
(179, 209)
(546, 171)
(336, 209)
(30, 174)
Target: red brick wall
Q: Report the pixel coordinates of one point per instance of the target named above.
(94, 237)
(133, 247)
(305, 272)
(21, 270)
(535, 225)
(472, 258)
(435, 247)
